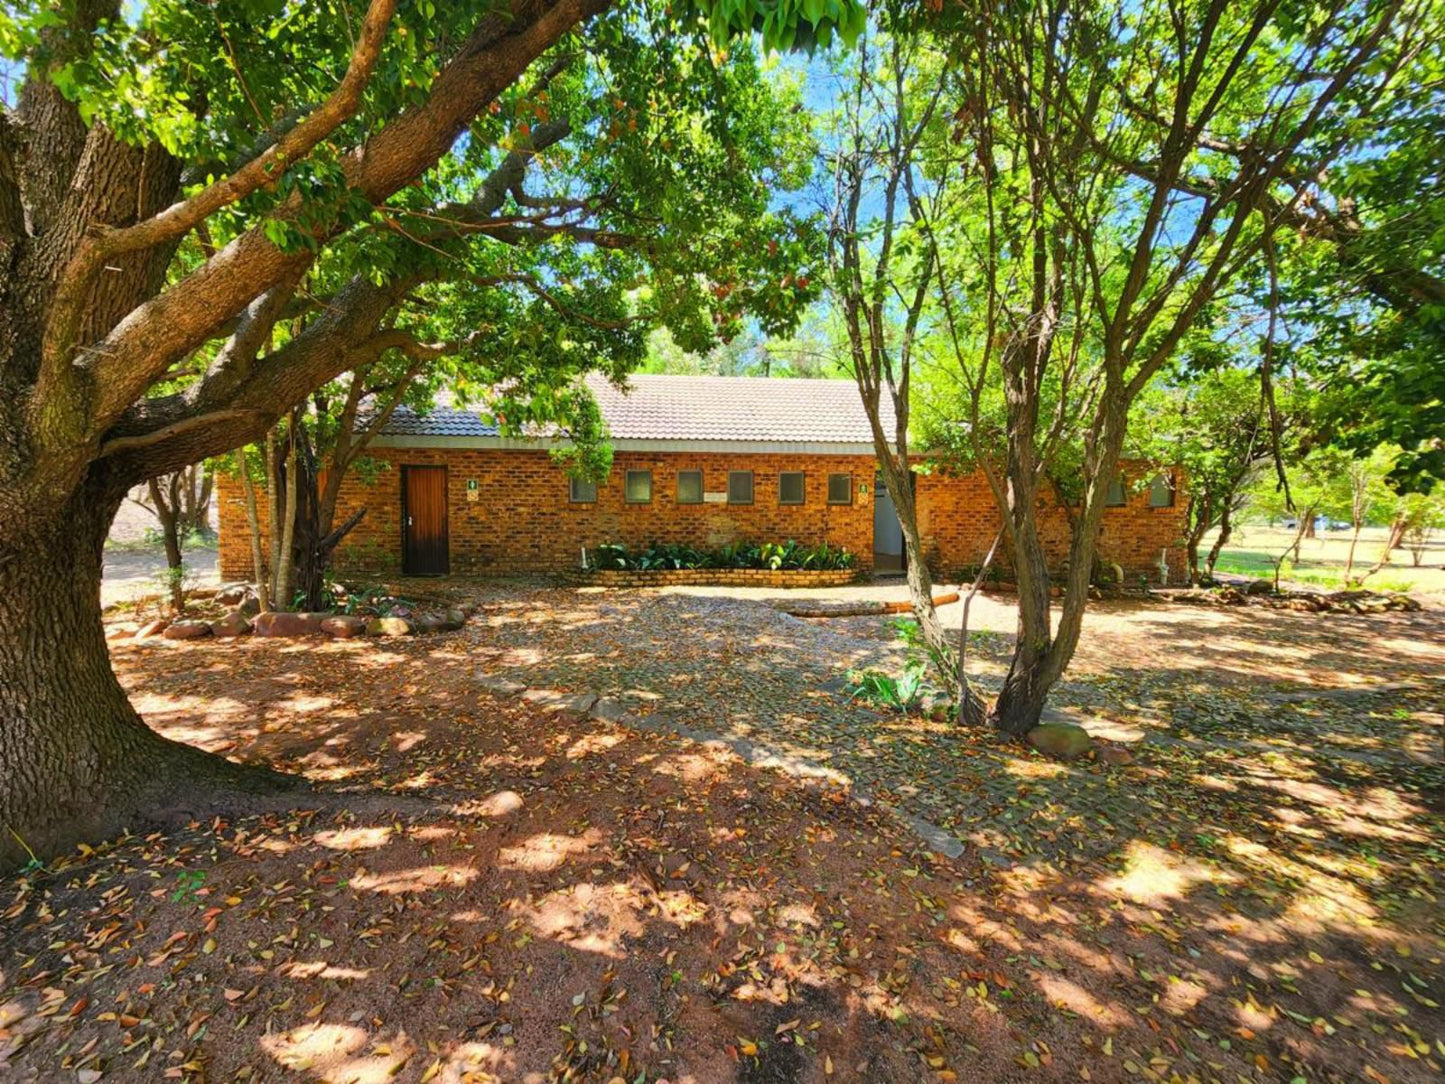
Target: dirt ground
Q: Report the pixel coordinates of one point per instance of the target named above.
(480, 890)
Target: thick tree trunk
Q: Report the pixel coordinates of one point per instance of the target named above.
(1026, 687)
(76, 761)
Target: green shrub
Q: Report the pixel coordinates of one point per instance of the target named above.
(901, 693)
(773, 556)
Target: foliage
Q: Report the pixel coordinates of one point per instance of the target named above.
(901, 693)
(774, 556)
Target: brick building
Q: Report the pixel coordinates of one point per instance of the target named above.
(698, 460)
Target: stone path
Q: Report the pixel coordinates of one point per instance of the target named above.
(1179, 684)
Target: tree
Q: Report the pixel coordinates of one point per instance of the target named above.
(880, 287)
(1209, 418)
(178, 183)
(181, 503)
(1117, 167)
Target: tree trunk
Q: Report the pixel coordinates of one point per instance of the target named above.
(1026, 687)
(1350, 559)
(1308, 533)
(286, 563)
(253, 521)
(170, 533)
(76, 761)
(1226, 528)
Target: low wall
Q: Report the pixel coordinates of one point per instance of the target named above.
(720, 577)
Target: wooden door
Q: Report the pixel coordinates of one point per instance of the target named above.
(424, 549)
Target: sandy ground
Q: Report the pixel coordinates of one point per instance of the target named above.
(132, 573)
(480, 890)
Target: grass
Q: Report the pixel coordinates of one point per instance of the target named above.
(1252, 550)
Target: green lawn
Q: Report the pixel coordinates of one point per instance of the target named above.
(1253, 548)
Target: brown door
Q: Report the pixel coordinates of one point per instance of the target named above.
(424, 550)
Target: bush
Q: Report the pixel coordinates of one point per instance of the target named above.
(773, 556)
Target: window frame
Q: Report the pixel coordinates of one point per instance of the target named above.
(627, 497)
(700, 488)
(1123, 500)
(572, 498)
(802, 477)
(840, 474)
(1167, 477)
(752, 486)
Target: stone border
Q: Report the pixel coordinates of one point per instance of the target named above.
(720, 577)
(606, 710)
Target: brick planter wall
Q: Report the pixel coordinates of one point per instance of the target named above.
(719, 577)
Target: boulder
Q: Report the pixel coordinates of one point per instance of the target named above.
(250, 606)
(388, 626)
(1259, 587)
(279, 623)
(234, 623)
(1115, 755)
(344, 626)
(1062, 741)
(230, 594)
(120, 632)
(187, 630)
(456, 618)
(502, 686)
(152, 628)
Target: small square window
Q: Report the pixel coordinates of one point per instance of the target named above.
(638, 488)
(840, 489)
(740, 487)
(689, 487)
(1161, 491)
(583, 492)
(1116, 496)
(790, 487)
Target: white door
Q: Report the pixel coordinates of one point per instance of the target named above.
(887, 531)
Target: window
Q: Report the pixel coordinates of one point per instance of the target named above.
(583, 492)
(1116, 496)
(840, 489)
(740, 487)
(689, 487)
(1161, 491)
(790, 487)
(639, 487)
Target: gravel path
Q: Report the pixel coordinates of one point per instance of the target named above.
(724, 661)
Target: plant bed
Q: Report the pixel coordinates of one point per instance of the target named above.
(719, 577)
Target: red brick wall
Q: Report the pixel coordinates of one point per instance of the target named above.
(958, 519)
(523, 521)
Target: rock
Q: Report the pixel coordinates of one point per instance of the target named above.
(1259, 587)
(499, 804)
(424, 623)
(250, 606)
(388, 626)
(500, 685)
(231, 594)
(234, 623)
(279, 623)
(120, 632)
(344, 626)
(456, 618)
(1062, 741)
(608, 711)
(187, 630)
(152, 628)
(402, 611)
(1113, 754)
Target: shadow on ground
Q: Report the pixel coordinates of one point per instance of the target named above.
(1256, 898)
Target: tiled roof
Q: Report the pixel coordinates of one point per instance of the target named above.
(741, 409)
(440, 422)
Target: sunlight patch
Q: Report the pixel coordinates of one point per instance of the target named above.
(1152, 875)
